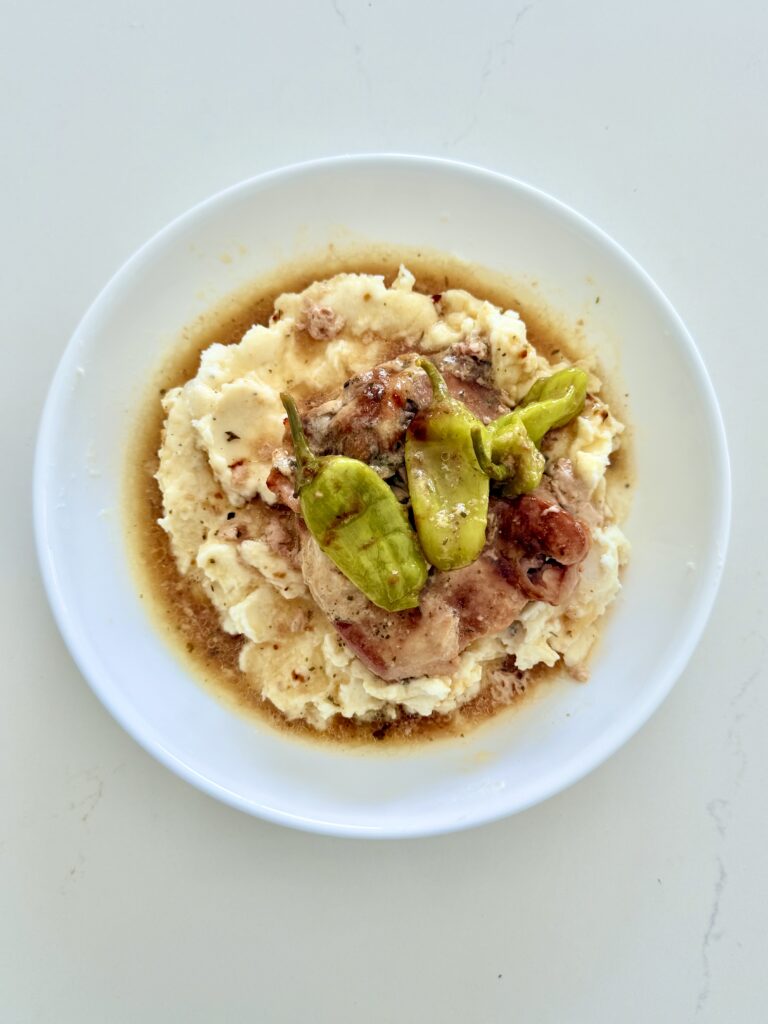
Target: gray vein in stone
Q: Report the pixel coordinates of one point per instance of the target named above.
(511, 37)
(710, 936)
(507, 44)
(742, 691)
(737, 747)
(340, 14)
(484, 76)
(719, 811)
(734, 739)
(357, 50)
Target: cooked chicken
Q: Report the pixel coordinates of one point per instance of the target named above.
(484, 402)
(570, 492)
(540, 543)
(320, 322)
(481, 594)
(369, 420)
(455, 609)
(394, 645)
(469, 360)
(282, 486)
(280, 534)
(533, 553)
(468, 372)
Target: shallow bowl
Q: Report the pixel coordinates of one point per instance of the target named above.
(678, 523)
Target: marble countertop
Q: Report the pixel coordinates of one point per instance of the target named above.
(638, 894)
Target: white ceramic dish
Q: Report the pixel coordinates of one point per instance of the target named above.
(678, 525)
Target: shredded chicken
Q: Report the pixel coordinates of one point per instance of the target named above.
(468, 372)
(320, 322)
(280, 534)
(469, 360)
(281, 485)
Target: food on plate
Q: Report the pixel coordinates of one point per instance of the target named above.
(394, 500)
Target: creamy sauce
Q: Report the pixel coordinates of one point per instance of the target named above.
(178, 606)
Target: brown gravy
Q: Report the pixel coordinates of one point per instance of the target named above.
(180, 609)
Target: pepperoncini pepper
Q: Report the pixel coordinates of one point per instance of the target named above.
(449, 491)
(510, 455)
(553, 401)
(358, 522)
(508, 448)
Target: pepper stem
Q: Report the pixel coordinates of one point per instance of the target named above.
(306, 460)
(484, 461)
(436, 379)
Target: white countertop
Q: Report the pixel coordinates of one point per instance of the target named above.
(637, 895)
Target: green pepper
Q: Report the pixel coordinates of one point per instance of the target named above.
(358, 522)
(553, 401)
(449, 491)
(510, 455)
(508, 448)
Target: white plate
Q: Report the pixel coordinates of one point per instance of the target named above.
(678, 526)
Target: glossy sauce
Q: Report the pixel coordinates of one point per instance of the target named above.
(178, 606)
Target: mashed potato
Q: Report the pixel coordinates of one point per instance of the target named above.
(222, 429)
